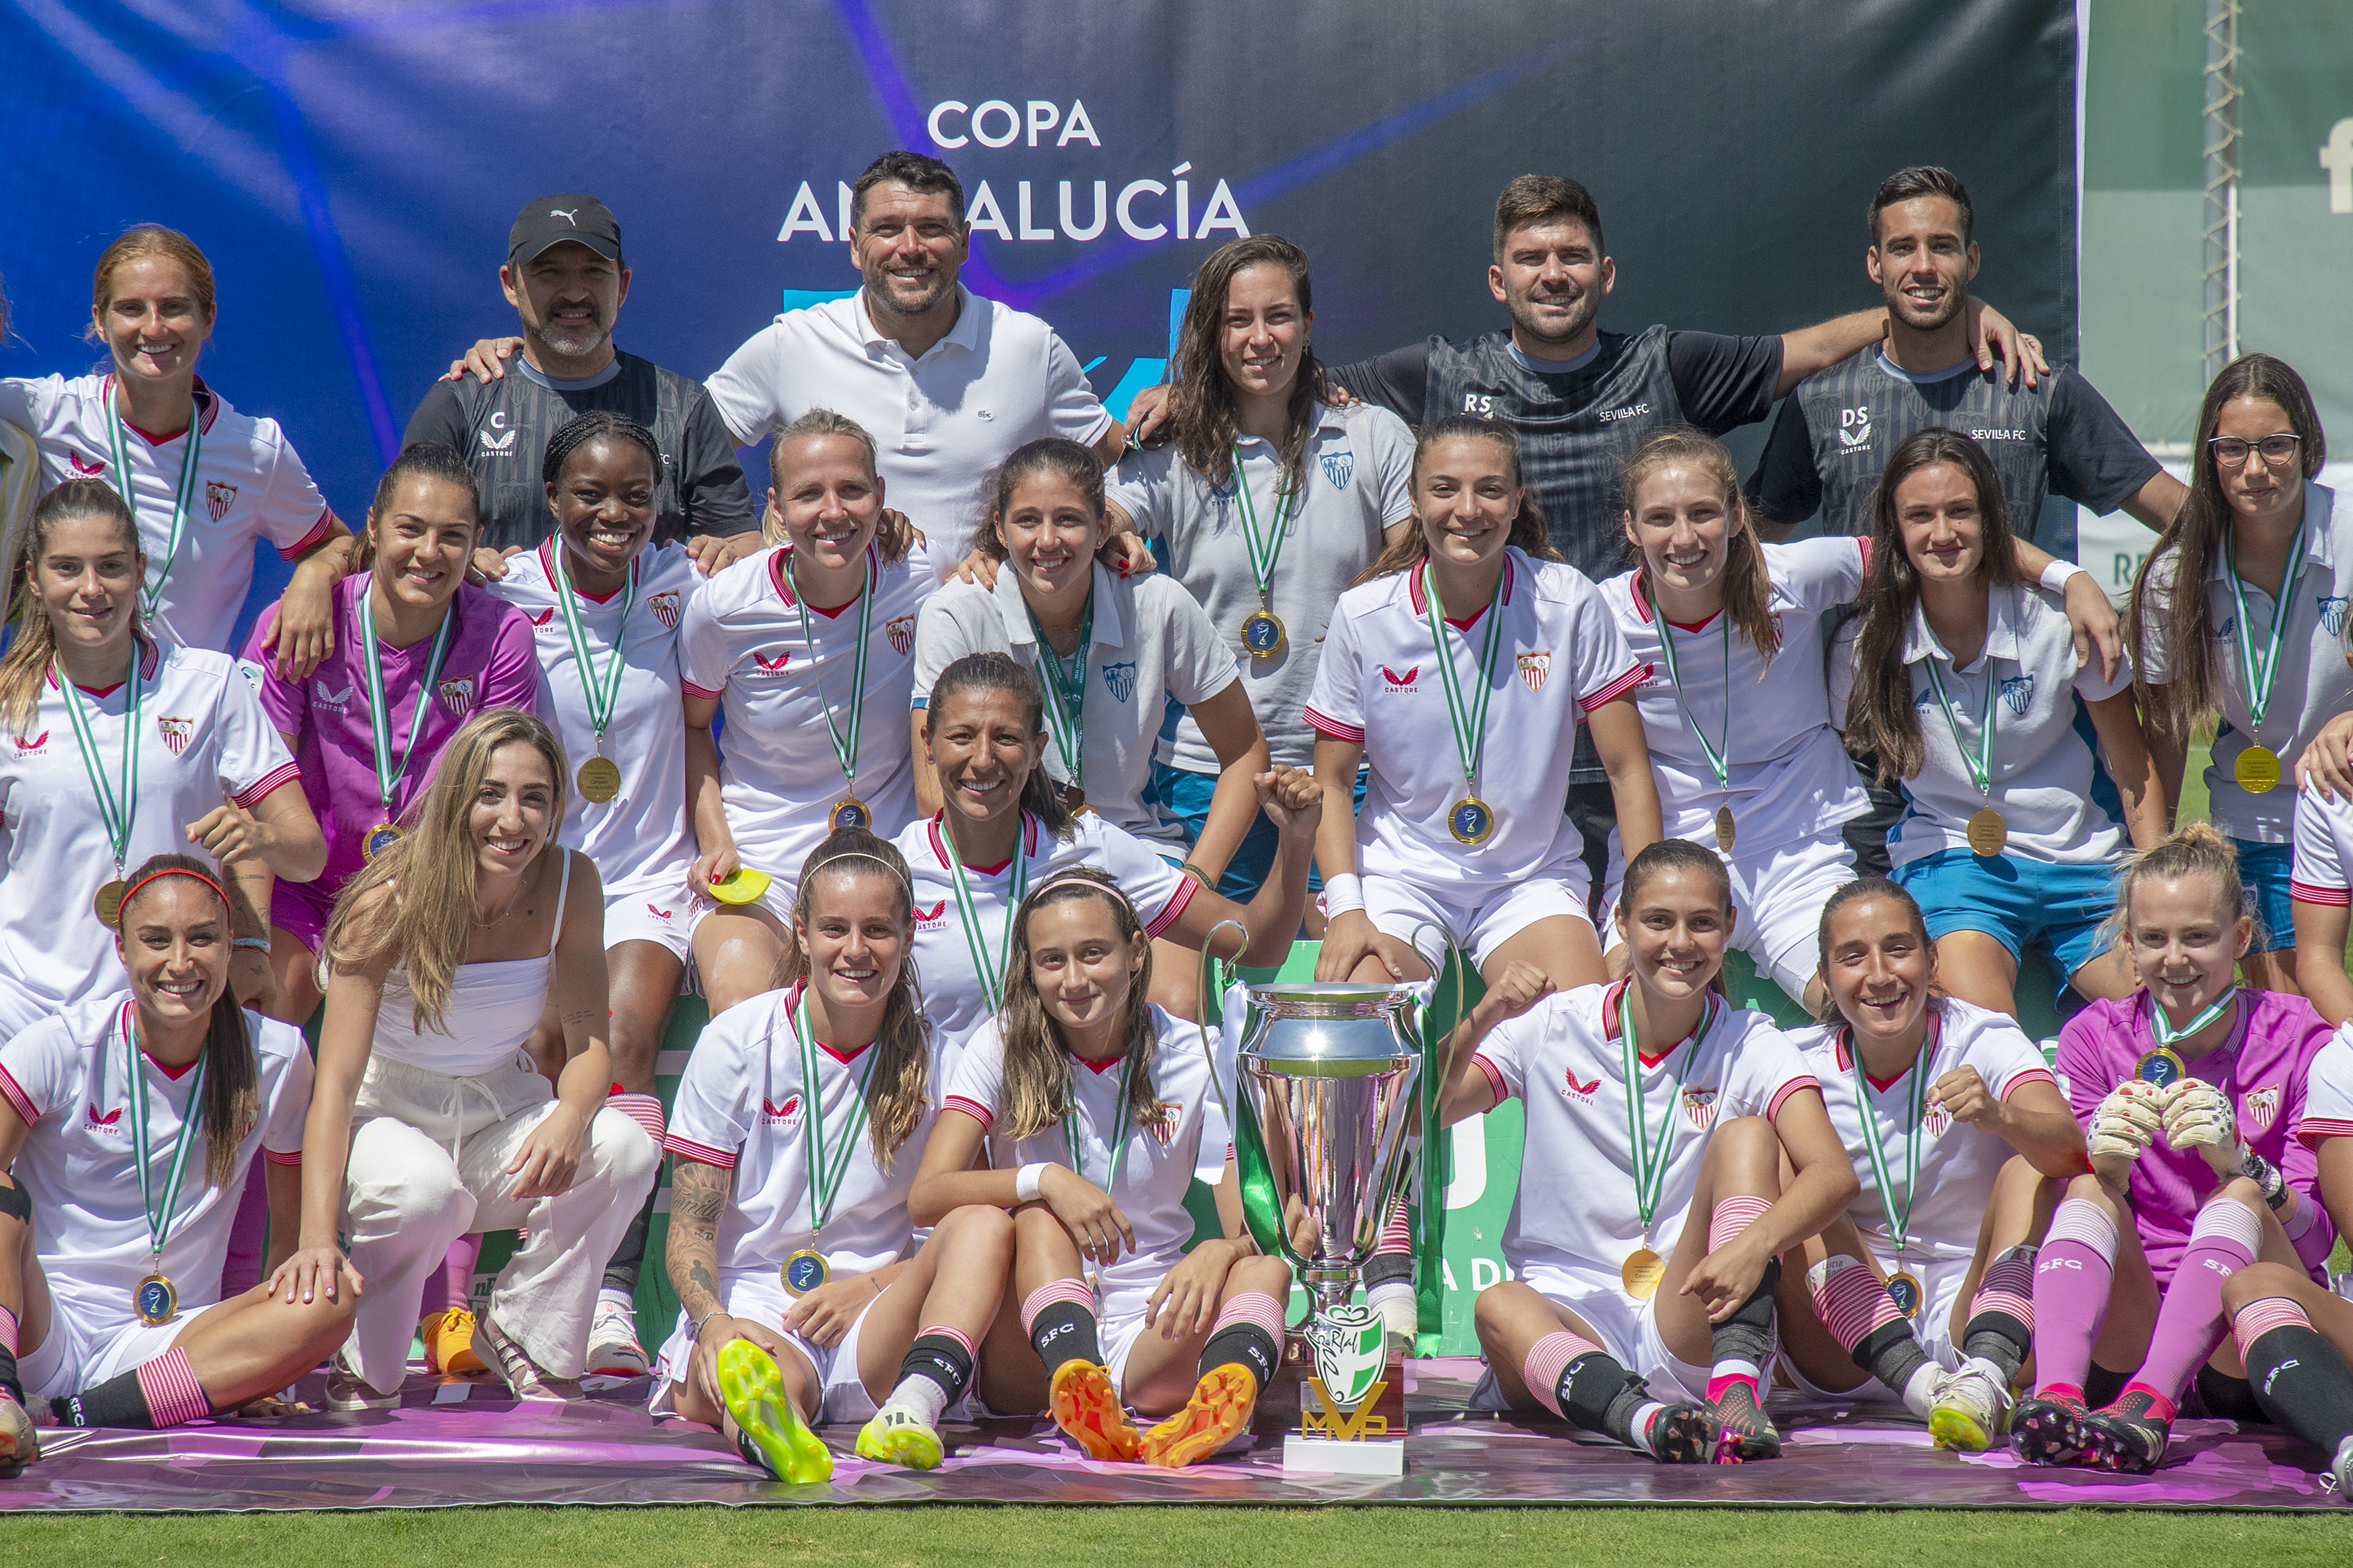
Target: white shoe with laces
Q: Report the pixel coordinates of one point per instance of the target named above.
(1926, 1388)
(614, 1349)
(2340, 1473)
(524, 1378)
(1972, 1409)
(346, 1392)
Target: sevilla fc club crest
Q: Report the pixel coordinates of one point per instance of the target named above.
(1534, 668)
(219, 499)
(1580, 1092)
(1163, 1122)
(789, 1114)
(2262, 1105)
(1937, 1119)
(458, 694)
(82, 467)
(665, 608)
(176, 732)
(1699, 1108)
(902, 633)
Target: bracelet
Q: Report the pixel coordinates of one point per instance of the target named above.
(694, 1326)
(252, 943)
(1025, 1182)
(1343, 893)
(2059, 573)
(1199, 876)
(2267, 1176)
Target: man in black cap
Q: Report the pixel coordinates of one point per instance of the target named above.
(565, 279)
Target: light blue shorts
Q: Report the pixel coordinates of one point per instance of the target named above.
(2018, 903)
(2262, 872)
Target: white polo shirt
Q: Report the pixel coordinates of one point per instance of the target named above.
(1157, 1163)
(1560, 658)
(2328, 1093)
(1958, 1163)
(249, 483)
(2049, 782)
(743, 1105)
(1575, 1210)
(742, 643)
(202, 735)
(2314, 684)
(642, 839)
(67, 1078)
(942, 423)
(953, 996)
(1791, 778)
(1360, 472)
(1152, 643)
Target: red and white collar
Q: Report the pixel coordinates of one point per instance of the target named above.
(207, 406)
(940, 842)
(780, 571)
(1422, 604)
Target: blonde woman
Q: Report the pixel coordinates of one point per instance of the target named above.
(443, 955)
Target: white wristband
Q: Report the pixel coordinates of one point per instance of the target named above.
(1343, 893)
(1025, 1182)
(2059, 573)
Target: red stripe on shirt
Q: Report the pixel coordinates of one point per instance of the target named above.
(1782, 1094)
(1185, 886)
(1494, 1075)
(2031, 1075)
(2311, 1129)
(16, 1096)
(687, 1149)
(2305, 893)
(691, 690)
(284, 773)
(1333, 727)
(289, 1157)
(971, 1107)
(1616, 688)
(317, 535)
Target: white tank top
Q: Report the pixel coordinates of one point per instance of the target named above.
(495, 1009)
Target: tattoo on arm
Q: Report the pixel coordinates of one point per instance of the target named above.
(697, 1195)
(701, 1296)
(582, 1015)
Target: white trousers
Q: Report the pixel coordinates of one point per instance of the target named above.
(430, 1153)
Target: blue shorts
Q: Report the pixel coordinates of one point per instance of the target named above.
(1186, 794)
(2018, 903)
(2262, 872)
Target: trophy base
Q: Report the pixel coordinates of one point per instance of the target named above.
(1317, 1440)
(1331, 1456)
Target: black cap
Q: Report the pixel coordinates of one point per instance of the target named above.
(568, 214)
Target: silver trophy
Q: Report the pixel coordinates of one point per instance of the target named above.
(1331, 1072)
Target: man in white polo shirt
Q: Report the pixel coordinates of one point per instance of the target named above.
(947, 382)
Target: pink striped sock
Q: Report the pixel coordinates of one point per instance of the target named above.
(170, 1387)
(7, 1331)
(948, 1331)
(1073, 1290)
(1850, 1300)
(2224, 1238)
(2073, 1275)
(2257, 1319)
(1546, 1360)
(645, 1110)
(1256, 1307)
(1397, 1235)
(1733, 1214)
(2008, 1288)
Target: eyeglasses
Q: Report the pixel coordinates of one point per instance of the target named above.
(2231, 453)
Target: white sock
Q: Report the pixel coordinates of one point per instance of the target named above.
(621, 1299)
(1920, 1390)
(1642, 1417)
(1394, 1300)
(921, 1397)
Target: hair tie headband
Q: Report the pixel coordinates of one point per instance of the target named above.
(133, 891)
(1077, 879)
(864, 855)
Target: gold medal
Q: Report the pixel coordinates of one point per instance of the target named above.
(1471, 820)
(1642, 1273)
(380, 837)
(850, 812)
(1987, 833)
(1074, 799)
(1903, 1289)
(599, 779)
(2257, 769)
(1263, 633)
(741, 886)
(804, 1270)
(2160, 1067)
(155, 1300)
(1724, 828)
(108, 905)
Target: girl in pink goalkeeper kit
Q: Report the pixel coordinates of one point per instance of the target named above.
(2189, 1090)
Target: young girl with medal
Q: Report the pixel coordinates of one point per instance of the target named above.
(793, 1143)
(114, 1224)
(1005, 827)
(1111, 653)
(1266, 503)
(607, 605)
(2258, 649)
(204, 482)
(1925, 1282)
(1655, 1196)
(1091, 1102)
(430, 1120)
(1733, 702)
(1456, 633)
(120, 747)
(810, 640)
(2189, 1090)
(1961, 677)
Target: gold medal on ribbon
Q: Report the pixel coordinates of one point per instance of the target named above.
(156, 1299)
(599, 779)
(850, 812)
(1903, 1289)
(2257, 769)
(1263, 633)
(803, 1270)
(380, 837)
(2160, 1067)
(1987, 833)
(1724, 829)
(1074, 799)
(1471, 820)
(1642, 1273)
(108, 905)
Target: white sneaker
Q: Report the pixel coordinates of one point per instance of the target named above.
(1922, 1393)
(19, 1443)
(1972, 1409)
(613, 1347)
(346, 1392)
(524, 1379)
(2340, 1474)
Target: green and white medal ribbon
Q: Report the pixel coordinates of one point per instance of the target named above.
(2257, 768)
(826, 1174)
(388, 774)
(183, 498)
(991, 972)
(155, 1299)
(2164, 1065)
(602, 690)
(1117, 1145)
(1066, 699)
(1987, 831)
(849, 811)
(1719, 755)
(1262, 630)
(1469, 819)
(1916, 1104)
(119, 810)
(1644, 1269)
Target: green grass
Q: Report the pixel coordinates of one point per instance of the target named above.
(1167, 1538)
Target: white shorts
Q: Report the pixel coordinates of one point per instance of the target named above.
(1940, 1283)
(658, 909)
(1626, 1328)
(1778, 894)
(1401, 909)
(74, 1357)
(759, 1295)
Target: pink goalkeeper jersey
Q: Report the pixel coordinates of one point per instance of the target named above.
(2262, 1067)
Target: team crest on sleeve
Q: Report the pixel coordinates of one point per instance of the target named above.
(2017, 691)
(789, 1114)
(665, 606)
(1699, 1108)
(219, 499)
(80, 466)
(1392, 681)
(458, 694)
(1339, 467)
(176, 732)
(901, 630)
(1535, 668)
(2332, 614)
(1580, 1092)
(2262, 1104)
(1120, 679)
